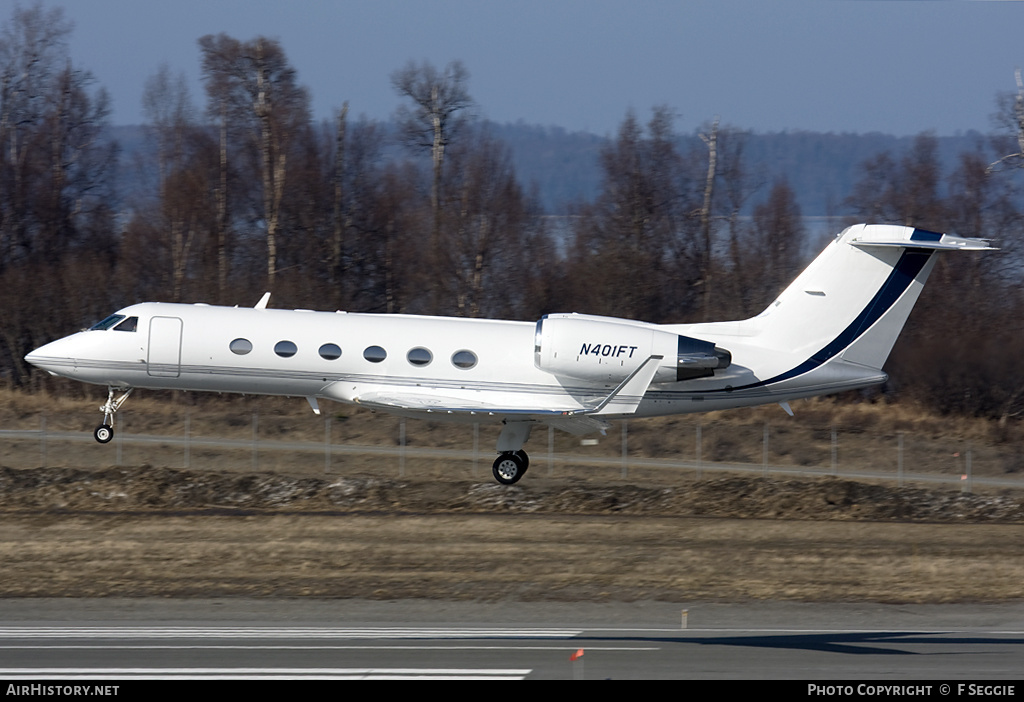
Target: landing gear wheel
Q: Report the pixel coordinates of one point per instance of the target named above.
(508, 468)
(524, 458)
(104, 433)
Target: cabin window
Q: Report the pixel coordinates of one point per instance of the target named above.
(420, 356)
(240, 346)
(285, 349)
(375, 354)
(128, 325)
(107, 323)
(464, 359)
(330, 352)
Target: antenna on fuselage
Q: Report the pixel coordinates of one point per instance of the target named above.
(262, 304)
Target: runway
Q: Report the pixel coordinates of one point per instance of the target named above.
(247, 639)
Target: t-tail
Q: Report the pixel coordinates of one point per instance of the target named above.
(834, 326)
(853, 300)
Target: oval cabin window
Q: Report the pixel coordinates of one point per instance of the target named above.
(286, 349)
(464, 359)
(375, 354)
(420, 356)
(330, 352)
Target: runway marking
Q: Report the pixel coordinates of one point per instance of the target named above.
(280, 633)
(266, 673)
(426, 647)
(307, 633)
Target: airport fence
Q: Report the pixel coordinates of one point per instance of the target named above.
(408, 449)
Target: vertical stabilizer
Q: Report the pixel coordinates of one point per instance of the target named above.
(853, 300)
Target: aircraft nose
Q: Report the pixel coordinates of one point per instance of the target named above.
(36, 357)
(51, 357)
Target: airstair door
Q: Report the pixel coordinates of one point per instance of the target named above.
(164, 347)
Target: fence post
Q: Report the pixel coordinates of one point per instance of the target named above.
(968, 477)
(476, 446)
(899, 461)
(255, 447)
(188, 438)
(551, 450)
(42, 438)
(327, 443)
(401, 447)
(700, 443)
(764, 451)
(625, 449)
(835, 451)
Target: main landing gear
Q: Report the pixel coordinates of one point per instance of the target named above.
(510, 466)
(512, 461)
(105, 432)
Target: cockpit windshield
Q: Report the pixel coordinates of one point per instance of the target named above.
(119, 323)
(107, 323)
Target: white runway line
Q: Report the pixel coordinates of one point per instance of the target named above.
(264, 673)
(280, 633)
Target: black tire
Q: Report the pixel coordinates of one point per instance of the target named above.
(525, 458)
(104, 433)
(508, 468)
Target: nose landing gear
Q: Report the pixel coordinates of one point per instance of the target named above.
(105, 432)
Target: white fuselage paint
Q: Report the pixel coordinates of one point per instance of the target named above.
(187, 347)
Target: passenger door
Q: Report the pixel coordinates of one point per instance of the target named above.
(164, 347)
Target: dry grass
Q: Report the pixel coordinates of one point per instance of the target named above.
(499, 548)
(867, 434)
(482, 557)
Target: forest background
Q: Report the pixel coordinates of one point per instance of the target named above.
(439, 212)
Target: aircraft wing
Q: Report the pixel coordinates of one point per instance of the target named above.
(576, 419)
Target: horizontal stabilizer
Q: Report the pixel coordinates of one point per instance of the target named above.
(910, 238)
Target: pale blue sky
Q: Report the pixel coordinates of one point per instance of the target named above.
(767, 65)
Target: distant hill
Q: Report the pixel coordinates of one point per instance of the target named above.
(821, 167)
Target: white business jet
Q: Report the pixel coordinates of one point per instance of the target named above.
(829, 331)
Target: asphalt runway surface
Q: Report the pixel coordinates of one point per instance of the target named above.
(138, 639)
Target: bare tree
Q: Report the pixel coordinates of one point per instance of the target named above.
(168, 108)
(489, 224)
(253, 90)
(440, 102)
(640, 223)
(710, 140)
(33, 51)
(902, 192)
(56, 193)
(55, 164)
(777, 241)
(1009, 118)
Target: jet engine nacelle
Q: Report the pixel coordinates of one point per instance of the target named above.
(604, 349)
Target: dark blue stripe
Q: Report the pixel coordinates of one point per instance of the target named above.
(925, 235)
(907, 268)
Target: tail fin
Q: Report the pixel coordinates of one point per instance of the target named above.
(853, 300)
